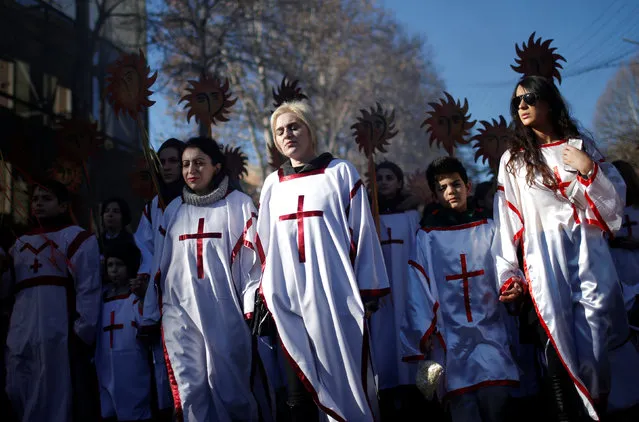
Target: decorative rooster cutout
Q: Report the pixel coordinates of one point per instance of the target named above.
(128, 84)
(372, 131)
(287, 91)
(275, 157)
(537, 58)
(141, 181)
(236, 162)
(492, 142)
(417, 187)
(448, 123)
(78, 139)
(208, 100)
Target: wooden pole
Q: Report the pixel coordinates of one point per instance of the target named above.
(375, 201)
(149, 155)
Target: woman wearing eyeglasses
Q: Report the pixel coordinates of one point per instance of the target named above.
(556, 200)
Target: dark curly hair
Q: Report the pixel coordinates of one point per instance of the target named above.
(524, 147)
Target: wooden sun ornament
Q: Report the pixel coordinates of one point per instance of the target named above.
(287, 91)
(372, 131)
(128, 83)
(78, 139)
(448, 123)
(492, 142)
(236, 162)
(537, 59)
(417, 187)
(68, 172)
(208, 100)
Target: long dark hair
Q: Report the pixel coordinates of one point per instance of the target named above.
(524, 146)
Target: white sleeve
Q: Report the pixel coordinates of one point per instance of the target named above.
(84, 259)
(509, 228)
(366, 250)
(246, 267)
(144, 239)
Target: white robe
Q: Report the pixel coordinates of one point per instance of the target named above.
(147, 236)
(57, 273)
(208, 273)
(124, 372)
(397, 236)
(453, 300)
(568, 269)
(322, 254)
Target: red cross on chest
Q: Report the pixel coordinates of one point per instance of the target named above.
(300, 215)
(628, 223)
(199, 237)
(111, 327)
(465, 276)
(390, 239)
(36, 264)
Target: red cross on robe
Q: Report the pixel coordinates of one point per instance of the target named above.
(199, 237)
(465, 276)
(36, 264)
(300, 215)
(390, 239)
(111, 327)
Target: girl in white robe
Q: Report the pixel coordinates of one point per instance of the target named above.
(398, 227)
(208, 272)
(323, 272)
(557, 197)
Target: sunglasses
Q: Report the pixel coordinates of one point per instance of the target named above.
(529, 98)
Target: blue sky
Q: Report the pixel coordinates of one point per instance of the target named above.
(473, 45)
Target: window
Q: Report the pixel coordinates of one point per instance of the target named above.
(62, 102)
(5, 188)
(7, 83)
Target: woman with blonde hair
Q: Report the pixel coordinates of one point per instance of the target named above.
(323, 271)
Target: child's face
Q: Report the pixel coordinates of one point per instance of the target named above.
(451, 191)
(44, 204)
(116, 270)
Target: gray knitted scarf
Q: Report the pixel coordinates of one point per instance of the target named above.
(218, 193)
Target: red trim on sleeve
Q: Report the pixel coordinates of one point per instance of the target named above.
(374, 292)
(77, 242)
(356, 187)
(489, 383)
(601, 223)
(413, 358)
(420, 269)
(509, 282)
(431, 329)
(587, 182)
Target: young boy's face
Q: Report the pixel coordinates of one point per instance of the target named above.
(116, 270)
(451, 191)
(44, 204)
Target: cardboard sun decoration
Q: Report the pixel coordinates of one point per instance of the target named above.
(68, 172)
(448, 123)
(537, 59)
(492, 142)
(78, 139)
(287, 91)
(128, 82)
(236, 162)
(208, 100)
(417, 187)
(372, 131)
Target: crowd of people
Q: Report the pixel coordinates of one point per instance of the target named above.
(303, 307)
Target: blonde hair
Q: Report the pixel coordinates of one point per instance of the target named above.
(303, 112)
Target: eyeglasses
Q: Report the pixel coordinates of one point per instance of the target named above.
(529, 98)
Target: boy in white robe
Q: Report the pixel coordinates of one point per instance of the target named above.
(55, 314)
(453, 300)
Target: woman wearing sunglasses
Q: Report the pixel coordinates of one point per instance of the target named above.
(556, 199)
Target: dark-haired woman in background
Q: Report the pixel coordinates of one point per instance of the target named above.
(557, 198)
(208, 273)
